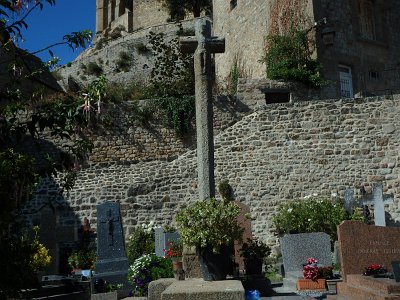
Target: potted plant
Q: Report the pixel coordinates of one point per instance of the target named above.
(253, 253)
(312, 274)
(211, 226)
(174, 252)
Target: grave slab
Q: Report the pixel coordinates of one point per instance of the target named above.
(359, 287)
(362, 245)
(296, 248)
(198, 289)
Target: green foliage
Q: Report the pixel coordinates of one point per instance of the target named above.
(142, 48)
(288, 57)
(178, 9)
(140, 242)
(147, 268)
(310, 215)
(177, 113)
(253, 249)
(94, 69)
(20, 259)
(209, 223)
(124, 61)
(225, 190)
(173, 74)
(172, 84)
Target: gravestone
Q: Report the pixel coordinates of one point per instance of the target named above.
(349, 202)
(203, 45)
(162, 238)
(362, 245)
(296, 248)
(244, 223)
(378, 200)
(53, 235)
(112, 264)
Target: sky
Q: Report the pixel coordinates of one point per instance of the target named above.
(48, 26)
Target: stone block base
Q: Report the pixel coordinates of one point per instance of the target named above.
(198, 289)
(359, 287)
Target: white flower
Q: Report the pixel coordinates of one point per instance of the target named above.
(315, 194)
(290, 210)
(309, 220)
(307, 197)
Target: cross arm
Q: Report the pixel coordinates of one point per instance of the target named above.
(214, 44)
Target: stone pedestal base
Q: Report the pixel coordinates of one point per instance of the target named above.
(359, 287)
(198, 289)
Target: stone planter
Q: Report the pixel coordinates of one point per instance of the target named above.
(332, 285)
(309, 284)
(105, 296)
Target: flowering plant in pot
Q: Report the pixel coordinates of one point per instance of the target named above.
(253, 253)
(211, 226)
(174, 252)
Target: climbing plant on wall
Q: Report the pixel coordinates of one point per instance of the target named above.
(288, 57)
(178, 9)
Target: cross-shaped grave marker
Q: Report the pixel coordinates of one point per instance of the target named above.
(378, 200)
(203, 45)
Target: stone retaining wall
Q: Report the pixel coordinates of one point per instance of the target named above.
(277, 153)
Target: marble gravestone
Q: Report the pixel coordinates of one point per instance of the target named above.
(112, 264)
(362, 245)
(296, 248)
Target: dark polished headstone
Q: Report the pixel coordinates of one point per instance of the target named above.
(112, 264)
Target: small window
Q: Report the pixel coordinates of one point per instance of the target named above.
(367, 19)
(277, 97)
(233, 4)
(373, 74)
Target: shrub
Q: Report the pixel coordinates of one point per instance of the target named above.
(310, 215)
(124, 61)
(209, 223)
(93, 69)
(147, 268)
(288, 57)
(142, 48)
(140, 242)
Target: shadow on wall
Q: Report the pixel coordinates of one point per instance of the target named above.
(68, 236)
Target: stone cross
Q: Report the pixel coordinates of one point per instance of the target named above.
(109, 220)
(203, 45)
(378, 200)
(349, 200)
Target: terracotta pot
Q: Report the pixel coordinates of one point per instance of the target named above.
(309, 284)
(177, 267)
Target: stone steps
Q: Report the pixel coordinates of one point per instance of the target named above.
(359, 287)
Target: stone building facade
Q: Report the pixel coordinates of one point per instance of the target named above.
(133, 15)
(276, 153)
(364, 57)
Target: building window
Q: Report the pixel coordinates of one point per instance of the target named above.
(367, 19)
(346, 82)
(277, 96)
(233, 4)
(373, 74)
